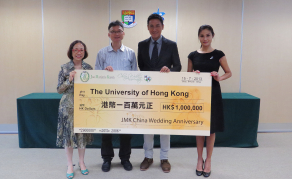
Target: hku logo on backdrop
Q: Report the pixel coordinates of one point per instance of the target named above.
(128, 18)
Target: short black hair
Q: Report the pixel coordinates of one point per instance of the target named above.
(115, 23)
(69, 53)
(155, 16)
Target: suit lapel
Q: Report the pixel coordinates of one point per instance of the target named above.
(147, 49)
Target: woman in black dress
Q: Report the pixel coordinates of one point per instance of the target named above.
(207, 59)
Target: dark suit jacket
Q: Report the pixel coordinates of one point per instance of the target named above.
(168, 56)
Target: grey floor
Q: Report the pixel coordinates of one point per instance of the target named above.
(271, 160)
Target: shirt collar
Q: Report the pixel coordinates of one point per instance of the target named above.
(158, 41)
(110, 48)
(84, 66)
(71, 64)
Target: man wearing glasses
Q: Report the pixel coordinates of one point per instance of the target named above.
(157, 54)
(116, 57)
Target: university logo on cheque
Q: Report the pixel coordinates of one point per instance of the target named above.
(84, 76)
(128, 18)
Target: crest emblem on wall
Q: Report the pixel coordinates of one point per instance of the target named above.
(160, 13)
(128, 18)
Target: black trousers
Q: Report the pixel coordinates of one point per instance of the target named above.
(107, 151)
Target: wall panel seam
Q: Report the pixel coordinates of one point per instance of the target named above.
(43, 47)
(240, 71)
(176, 20)
(109, 6)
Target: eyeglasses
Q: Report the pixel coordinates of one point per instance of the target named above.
(76, 50)
(116, 32)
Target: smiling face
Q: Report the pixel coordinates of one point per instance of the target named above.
(205, 37)
(78, 52)
(116, 34)
(155, 28)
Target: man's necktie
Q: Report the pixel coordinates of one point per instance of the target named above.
(154, 56)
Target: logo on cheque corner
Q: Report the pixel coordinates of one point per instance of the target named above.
(128, 18)
(147, 78)
(84, 76)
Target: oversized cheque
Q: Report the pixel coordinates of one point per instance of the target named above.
(142, 102)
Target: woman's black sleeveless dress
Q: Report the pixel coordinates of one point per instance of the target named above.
(208, 62)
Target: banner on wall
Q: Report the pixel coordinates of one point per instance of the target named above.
(142, 102)
(128, 18)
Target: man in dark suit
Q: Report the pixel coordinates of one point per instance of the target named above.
(167, 59)
(157, 54)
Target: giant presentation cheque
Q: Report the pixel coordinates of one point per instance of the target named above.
(142, 102)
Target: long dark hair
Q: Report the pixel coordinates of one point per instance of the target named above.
(208, 27)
